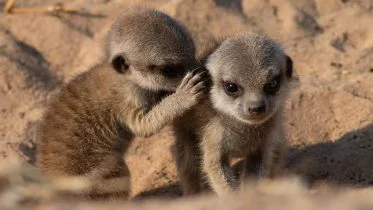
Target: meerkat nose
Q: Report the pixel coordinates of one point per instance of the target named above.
(257, 107)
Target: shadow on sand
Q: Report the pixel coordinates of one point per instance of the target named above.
(345, 162)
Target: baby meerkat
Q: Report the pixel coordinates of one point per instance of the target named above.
(145, 85)
(242, 118)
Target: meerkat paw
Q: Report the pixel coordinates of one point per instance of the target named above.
(193, 87)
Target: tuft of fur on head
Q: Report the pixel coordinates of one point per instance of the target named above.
(253, 64)
(144, 43)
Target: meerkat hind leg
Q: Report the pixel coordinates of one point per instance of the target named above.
(188, 161)
(110, 179)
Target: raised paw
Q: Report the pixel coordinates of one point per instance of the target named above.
(193, 86)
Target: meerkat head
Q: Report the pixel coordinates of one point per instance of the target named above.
(151, 48)
(250, 74)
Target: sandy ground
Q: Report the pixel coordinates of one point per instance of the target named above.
(329, 113)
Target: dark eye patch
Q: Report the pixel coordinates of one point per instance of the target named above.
(172, 71)
(273, 85)
(119, 63)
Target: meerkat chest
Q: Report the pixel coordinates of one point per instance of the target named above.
(241, 142)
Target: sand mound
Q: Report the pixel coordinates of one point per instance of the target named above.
(329, 114)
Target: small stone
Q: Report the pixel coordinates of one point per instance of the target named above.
(336, 65)
(22, 115)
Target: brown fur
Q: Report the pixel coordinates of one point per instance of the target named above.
(91, 122)
(187, 131)
(217, 131)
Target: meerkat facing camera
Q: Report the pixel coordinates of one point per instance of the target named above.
(146, 85)
(242, 118)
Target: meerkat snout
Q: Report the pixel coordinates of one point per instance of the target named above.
(257, 107)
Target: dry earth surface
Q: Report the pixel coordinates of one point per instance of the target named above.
(329, 114)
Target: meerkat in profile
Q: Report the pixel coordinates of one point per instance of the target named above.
(145, 85)
(241, 119)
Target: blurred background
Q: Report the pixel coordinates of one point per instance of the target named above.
(329, 116)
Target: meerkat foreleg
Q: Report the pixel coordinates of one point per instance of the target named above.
(215, 163)
(220, 175)
(144, 123)
(272, 157)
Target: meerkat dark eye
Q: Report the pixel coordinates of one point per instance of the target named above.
(273, 86)
(172, 71)
(231, 88)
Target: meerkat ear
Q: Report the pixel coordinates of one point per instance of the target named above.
(289, 67)
(120, 63)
